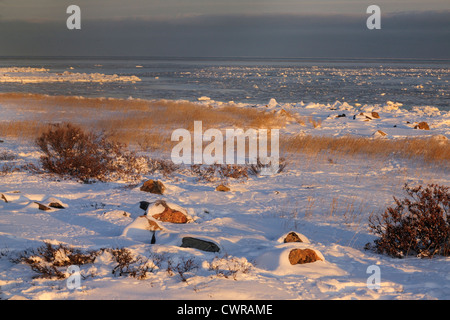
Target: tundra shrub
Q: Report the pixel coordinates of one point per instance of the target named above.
(51, 261)
(87, 156)
(417, 225)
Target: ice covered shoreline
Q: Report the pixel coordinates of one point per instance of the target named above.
(342, 118)
(41, 75)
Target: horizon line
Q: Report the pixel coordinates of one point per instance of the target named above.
(174, 57)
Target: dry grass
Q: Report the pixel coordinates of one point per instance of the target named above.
(23, 129)
(316, 123)
(134, 122)
(427, 149)
(149, 125)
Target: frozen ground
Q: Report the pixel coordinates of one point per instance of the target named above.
(327, 200)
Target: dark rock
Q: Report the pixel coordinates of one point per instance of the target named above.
(42, 207)
(189, 242)
(144, 205)
(56, 205)
(341, 115)
(292, 237)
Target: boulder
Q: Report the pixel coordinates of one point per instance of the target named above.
(153, 225)
(42, 207)
(144, 205)
(190, 242)
(169, 214)
(302, 256)
(55, 203)
(379, 134)
(142, 229)
(292, 237)
(152, 186)
(222, 188)
(375, 115)
(422, 126)
(361, 116)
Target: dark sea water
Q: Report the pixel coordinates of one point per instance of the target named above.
(254, 81)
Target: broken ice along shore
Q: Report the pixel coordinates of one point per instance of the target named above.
(42, 75)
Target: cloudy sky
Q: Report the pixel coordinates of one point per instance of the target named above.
(226, 28)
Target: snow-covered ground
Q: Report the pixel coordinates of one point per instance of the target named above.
(326, 200)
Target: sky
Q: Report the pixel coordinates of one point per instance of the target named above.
(227, 28)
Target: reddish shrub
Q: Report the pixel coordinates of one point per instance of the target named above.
(87, 156)
(417, 225)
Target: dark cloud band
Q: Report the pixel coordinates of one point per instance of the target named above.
(403, 35)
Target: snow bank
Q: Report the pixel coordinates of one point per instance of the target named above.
(277, 262)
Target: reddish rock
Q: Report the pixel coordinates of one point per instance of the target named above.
(302, 256)
(169, 214)
(422, 126)
(380, 133)
(375, 115)
(153, 225)
(222, 188)
(153, 187)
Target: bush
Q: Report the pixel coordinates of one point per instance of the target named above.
(229, 266)
(417, 225)
(50, 261)
(216, 171)
(7, 156)
(87, 156)
(259, 167)
(128, 264)
(6, 169)
(182, 268)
